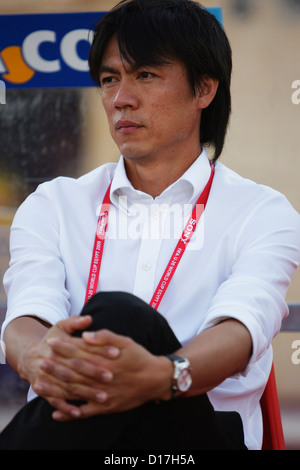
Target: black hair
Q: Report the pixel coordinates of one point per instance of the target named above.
(152, 32)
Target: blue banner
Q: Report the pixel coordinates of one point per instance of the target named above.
(49, 50)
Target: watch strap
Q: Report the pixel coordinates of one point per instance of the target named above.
(174, 358)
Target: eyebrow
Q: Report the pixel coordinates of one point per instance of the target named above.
(108, 69)
(130, 68)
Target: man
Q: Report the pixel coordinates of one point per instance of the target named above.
(174, 350)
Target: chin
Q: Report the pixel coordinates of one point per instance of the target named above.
(132, 153)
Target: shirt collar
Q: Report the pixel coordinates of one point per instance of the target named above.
(186, 189)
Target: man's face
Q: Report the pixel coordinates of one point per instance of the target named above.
(151, 111)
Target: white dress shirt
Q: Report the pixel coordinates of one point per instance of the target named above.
(238, 264)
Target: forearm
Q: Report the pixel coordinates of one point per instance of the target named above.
(216, 354)
(27, 344)
(20, 337)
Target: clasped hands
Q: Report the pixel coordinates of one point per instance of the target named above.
(105, 371)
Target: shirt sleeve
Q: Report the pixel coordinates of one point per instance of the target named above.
(35, 280)
(267, 254)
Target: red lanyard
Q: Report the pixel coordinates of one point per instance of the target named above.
(175, 258)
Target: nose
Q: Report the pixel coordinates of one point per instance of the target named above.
(126, 95)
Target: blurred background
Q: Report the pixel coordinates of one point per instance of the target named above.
(46, 133)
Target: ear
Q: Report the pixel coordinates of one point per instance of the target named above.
(207, 91)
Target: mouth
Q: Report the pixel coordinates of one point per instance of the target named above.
(127, 127)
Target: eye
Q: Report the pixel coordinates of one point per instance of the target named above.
(107, 80)
(145, 75)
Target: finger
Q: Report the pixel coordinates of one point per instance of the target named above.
(108, 351)
(76, 371)
(112, 342)
(101, 337)
(70, 391)
(65, 348)
(92, 408)
(112, 404)
(64, 411)
(87, 360)
(74, 323)
(82, 412)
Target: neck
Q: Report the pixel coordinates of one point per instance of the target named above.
(154, 177)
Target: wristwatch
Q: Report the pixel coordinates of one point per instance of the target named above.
(182, 378)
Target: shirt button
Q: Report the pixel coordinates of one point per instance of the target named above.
(155, 214)
(146, 266)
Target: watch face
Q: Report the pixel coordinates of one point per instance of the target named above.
(184, 380)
